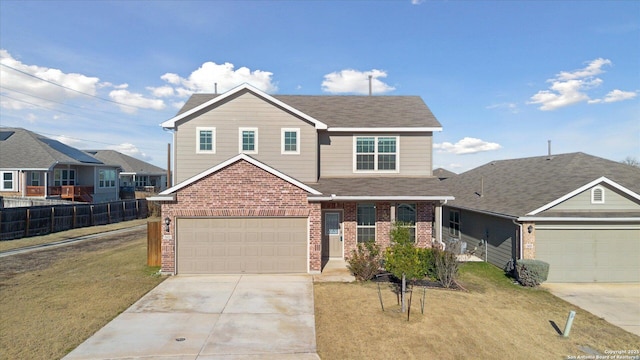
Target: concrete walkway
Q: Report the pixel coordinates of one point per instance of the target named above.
(213, 317)
(619, 304)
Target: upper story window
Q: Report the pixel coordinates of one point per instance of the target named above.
(248, 140)
(8, 181)
(454, 223)
(64, 177)
(206, 140)
(106, 178)
(290, 141)
(376, 153)
(597, 195)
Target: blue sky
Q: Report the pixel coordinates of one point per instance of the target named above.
(503, 77)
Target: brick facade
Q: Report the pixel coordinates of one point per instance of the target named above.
(528, 241)
(241, 190)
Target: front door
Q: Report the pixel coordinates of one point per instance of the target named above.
(332, 234)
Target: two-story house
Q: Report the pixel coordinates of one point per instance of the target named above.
(275, 184)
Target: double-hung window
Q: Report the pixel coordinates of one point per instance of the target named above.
(8, 181)
(206, 140)
(35, 178)
(366, 222)
(454, 223)
(248, 140)
(376, 153)
(406, 214)
(106, 178)
(290, 142)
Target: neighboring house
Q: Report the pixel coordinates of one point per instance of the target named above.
(32, 165)
(443, 174)
(135, 173)
(275, 183)
(578, 212)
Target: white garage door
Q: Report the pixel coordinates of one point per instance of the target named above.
(241, 245)
(611, 255)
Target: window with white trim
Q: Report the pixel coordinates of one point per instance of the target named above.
(142, 180)
(597, 195)
(34, 179)
(106, 178)
(290, 143)
(406, 214)
(366, 222)
(206, 140)
(375, 153)
(454, 223)
(64, 177)
(248, 140)
(8, 181)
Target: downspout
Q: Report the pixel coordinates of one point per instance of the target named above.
(442, 202)
(519, 236)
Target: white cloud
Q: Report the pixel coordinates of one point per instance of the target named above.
(131, 150)
(162, 91)
(357, 82)
(205, 78)
(615, 96)
(126, 97)
(417, 2)
(467, 145)
(17, 84)
(73, 142)
(511, 107)
(570, 87)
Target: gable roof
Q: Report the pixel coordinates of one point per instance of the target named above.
(129, 164)
(24, 149)
(167, 194)
(335, 113)
(519, 187)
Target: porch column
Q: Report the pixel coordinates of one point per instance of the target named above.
(23, 182)
(46, 184)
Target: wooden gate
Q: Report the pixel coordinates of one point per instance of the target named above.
(154, 241)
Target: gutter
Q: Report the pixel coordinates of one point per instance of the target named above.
(334, 197)
(579, 219)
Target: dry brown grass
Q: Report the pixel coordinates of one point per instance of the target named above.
(494, 319)
(47, 312)
(64, 235)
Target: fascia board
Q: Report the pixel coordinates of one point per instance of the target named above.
(161, 198)
(379, 198)
(384, 129)
(577, 191)
(170, 124)
(579, 219)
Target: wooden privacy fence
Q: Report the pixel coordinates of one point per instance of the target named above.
(20, 222)
(154, 241)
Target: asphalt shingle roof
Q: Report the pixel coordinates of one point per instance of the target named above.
(518, 186)
(23, 149)
(351, 111)
(128, 163)
(381, 186)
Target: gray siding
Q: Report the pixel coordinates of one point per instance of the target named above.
(250, 111)
(337, 154)
(614, 200)
(501, 234)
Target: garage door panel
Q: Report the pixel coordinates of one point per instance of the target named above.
(242, 245)
(594, 255)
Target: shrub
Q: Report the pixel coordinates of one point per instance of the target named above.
(427, 263)
(530, 272)
(402, 256)
(364, 263)
(446, 266)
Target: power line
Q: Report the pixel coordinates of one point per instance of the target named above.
(68, 88)
(36, 105)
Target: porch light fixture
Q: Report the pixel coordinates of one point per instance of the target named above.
(167, 221)
(530, 229)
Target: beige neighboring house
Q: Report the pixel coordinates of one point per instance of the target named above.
(580, 213)
(35, 166)
(280, 184)
(135, 173)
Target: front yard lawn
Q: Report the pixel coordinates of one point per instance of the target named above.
(493, 319)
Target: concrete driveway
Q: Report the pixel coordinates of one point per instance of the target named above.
(618, 304)
(213, 317)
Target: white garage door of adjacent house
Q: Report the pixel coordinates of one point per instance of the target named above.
(241, 245)
(599, 255)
